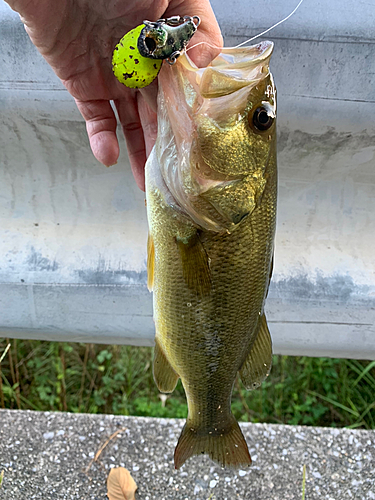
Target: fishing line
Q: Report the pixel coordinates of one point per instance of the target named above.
(254, 37)
(271, 28)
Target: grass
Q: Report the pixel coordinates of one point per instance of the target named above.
(118, 379)
(303, 482)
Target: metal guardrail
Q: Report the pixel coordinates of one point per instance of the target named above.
(73, 233)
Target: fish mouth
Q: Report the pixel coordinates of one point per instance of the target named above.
(233, 69)
(189, 94)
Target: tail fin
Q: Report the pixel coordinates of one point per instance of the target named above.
(228, 449)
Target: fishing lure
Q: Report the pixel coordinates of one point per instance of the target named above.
(138, 56)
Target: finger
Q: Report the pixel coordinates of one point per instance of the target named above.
(149, 123)
(205, 47)
(131, 125)
(208, 30)
(150, 94)
(101, 129)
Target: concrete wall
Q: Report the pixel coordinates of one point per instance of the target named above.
(73, 233)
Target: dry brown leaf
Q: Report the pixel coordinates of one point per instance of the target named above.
(99, 452)
(120, 485)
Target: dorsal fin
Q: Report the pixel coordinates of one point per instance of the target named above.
(257, 365)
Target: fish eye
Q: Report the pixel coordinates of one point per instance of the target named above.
(261, 119)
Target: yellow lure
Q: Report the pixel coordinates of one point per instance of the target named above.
(129, 66)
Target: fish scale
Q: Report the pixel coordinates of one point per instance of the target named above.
(210, 285)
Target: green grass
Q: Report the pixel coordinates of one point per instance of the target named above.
(118, 379)
(303, 482)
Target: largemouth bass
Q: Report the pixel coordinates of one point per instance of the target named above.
(211, 184)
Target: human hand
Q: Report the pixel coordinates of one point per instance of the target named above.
(77, 38)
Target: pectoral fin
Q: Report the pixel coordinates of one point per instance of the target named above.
(195, 266)
(150, 262)
(164, 375)
(257, 365)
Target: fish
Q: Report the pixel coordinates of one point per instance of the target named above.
(211, 196)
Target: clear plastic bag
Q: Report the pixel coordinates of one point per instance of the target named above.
(216, 96)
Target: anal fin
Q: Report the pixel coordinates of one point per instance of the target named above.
(164, 375)
(195, 266)
(258, 363)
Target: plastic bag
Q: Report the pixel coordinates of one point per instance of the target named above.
(188, 98)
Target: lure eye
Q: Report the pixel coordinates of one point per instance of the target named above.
(261, 119)
(150, 44)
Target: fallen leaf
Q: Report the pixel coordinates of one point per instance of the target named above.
(99, 452)
(120, 485)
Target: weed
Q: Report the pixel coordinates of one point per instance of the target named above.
(51, 376)
(2, 402)
(303, 481)
(5, 352)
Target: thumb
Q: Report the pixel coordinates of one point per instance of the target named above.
(207, 42)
